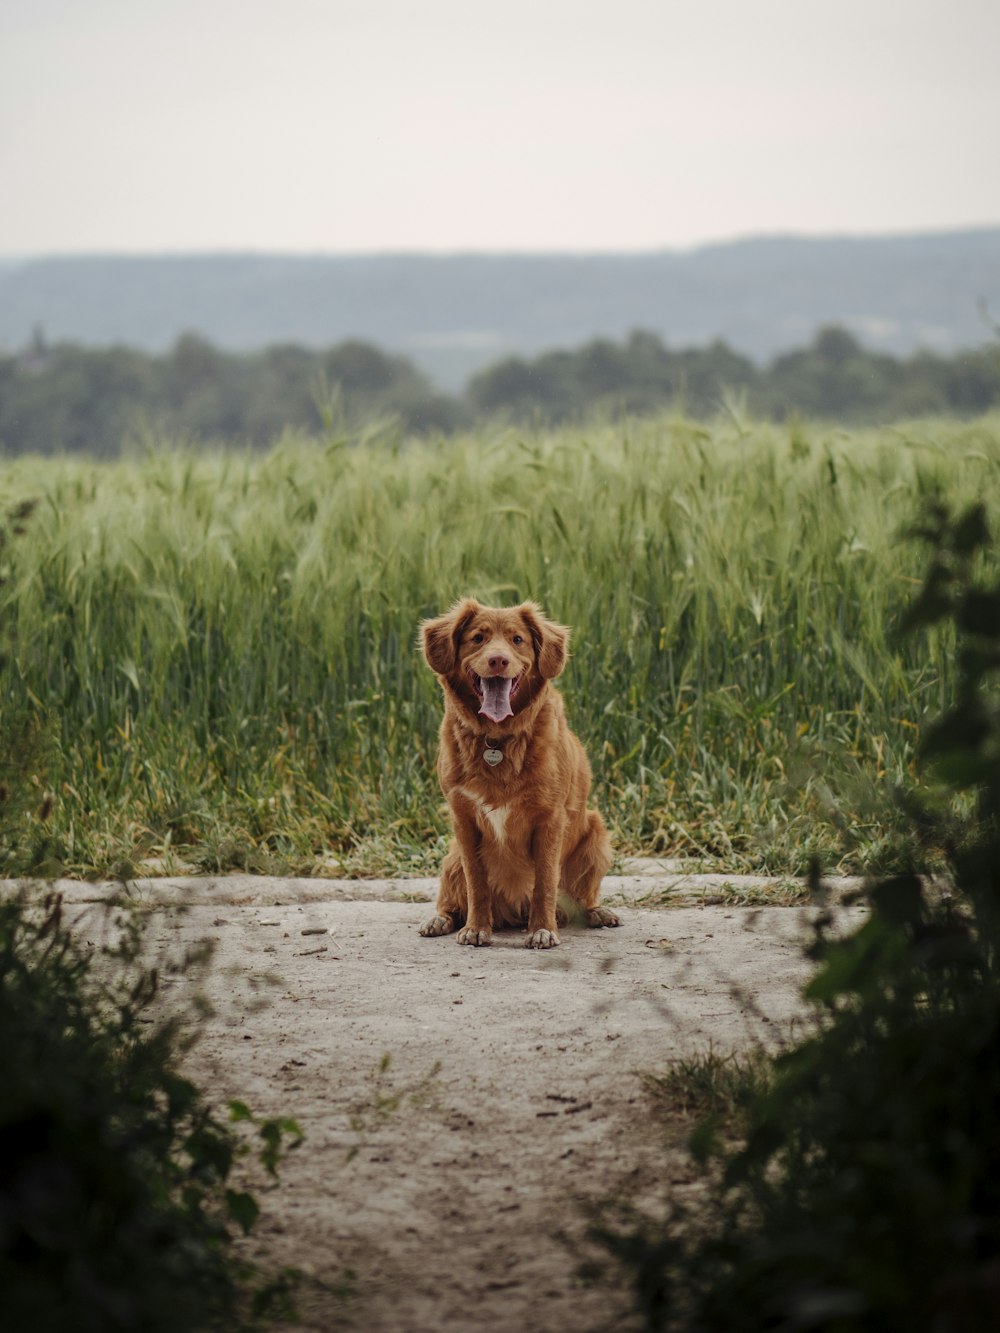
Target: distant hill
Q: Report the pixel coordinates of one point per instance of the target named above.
(454, 314)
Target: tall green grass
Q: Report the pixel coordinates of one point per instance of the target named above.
(221, 646)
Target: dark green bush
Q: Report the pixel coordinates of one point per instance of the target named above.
(866, 1195)
(116, 1210)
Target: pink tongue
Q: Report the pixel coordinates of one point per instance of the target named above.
(496, 698)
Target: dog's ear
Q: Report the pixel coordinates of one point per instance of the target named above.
(551, 640)
(439, 637)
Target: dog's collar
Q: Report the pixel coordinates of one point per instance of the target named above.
(493, 754)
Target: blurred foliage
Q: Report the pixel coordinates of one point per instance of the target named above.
(117, 1208)
(836, 378)
(866, 1194)
(67, 398)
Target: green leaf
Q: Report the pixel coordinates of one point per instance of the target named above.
(290, 1126)
(933, 603)
(182, 1095)
(899, 899)
(211, 1152)
(971, 531)
(965, 728)
(270, 1132)
(962, 769)
(853, 965)
(979, 613)
(243, 1209)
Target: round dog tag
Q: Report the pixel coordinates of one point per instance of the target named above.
(493, 757)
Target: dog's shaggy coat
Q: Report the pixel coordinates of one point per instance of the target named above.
(515, 777)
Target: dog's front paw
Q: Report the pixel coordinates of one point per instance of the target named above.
(542, 939)
(602, 916)
(478, 936)
(438, 925)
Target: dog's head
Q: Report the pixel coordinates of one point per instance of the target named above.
(494, 659)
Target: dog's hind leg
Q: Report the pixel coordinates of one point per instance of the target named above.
(583, 871)
(452, 900)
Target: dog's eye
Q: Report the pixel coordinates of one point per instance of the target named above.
(478, 638)
(518, 639)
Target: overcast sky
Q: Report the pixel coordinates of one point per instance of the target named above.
(328, 125)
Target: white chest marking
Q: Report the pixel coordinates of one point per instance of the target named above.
(495, 814)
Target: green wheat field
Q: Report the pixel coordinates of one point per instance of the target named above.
(215, 652)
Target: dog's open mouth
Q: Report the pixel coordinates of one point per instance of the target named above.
(496, 694)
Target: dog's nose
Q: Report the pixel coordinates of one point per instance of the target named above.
(499, 663)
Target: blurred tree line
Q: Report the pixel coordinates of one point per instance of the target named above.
(68, 398)
(72, 398)
(834, 378)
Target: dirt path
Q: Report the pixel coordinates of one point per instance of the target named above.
(446, 1180)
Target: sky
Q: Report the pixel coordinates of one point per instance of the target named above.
(333, 126)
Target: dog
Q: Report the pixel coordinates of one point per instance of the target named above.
(515, 777)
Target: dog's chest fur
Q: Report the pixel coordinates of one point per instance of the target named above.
(488, 817)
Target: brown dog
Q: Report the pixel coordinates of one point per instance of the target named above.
(515, 777)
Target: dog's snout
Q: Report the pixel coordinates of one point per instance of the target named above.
(499, 663)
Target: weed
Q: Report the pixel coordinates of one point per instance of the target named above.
(710, 1086)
